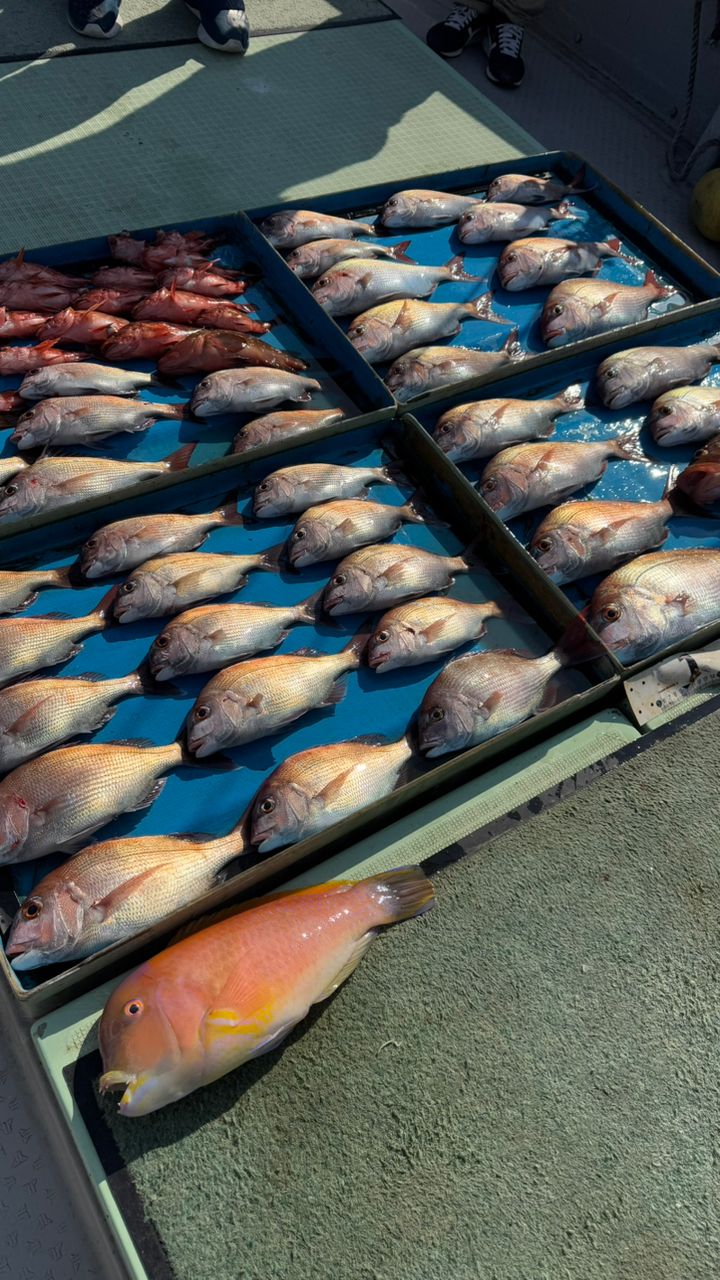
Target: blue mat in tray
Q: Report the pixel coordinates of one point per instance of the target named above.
(643, 481)
(200, 799)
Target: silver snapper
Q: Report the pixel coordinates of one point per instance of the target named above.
(480, 695)
(310, 260)
(295, 227)
(249, 389)
(215, 635)
(51, 483)
(485, 222)
(284, 425)
(352, 287)
(427, 368)
(685, 415)
(260, 696)
(642, 373)
(581, 538)
(527, 476)
(388, 331)
(656, 600)
(292, 489)
(525, 264)
(420, 208)
(169, 584)
(527, 189)
(125, 544)
(79, 419)
(314, 789)
(422, 630)
(83, 379)
(482, 428)
(377, 576)
(333, 529)
(20, 588)
(37, 714)
(579, 309)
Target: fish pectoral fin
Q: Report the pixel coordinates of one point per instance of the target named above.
(347, 527)
(365, 279)
(487, 707)
(150, 797)
(76, 484)
(221, 1024)
(682, 600)
(394, 572)
(105, 907)
(25, 721)
(606, 535)
(435, 630)
(351, 963)
(404, 318)
(334, 787)
(80, 838)
(602, 308)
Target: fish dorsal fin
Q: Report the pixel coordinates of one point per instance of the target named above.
(93, 676)
(52, 617)
(130, 742)
(308, 652)
(372, 739)
(351, 963)
(195, 837)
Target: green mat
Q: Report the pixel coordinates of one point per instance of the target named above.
(158, 135)
(34, 29)
(523, 1085)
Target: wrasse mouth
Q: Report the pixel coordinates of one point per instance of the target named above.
(113, 1081)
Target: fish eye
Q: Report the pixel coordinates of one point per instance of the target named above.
(558, 309)
(510, 257)
(611, 373)
(391, 203)
(544, 544)
(31, 909)
(340, 579)
(91, 544)
(299, 534)
(489, 484)
(10, 490)
(382, 636)
(444, 428)
(612, 613)
(663, 411)
(264, 486)
(127, 588)
(162, 642)
(267, 806)
(202, 713)
(133, 1008)
(359, 329)
(436, 713)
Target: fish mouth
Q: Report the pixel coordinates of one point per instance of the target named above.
(379, 659)
(432, 747)
(114, 1081)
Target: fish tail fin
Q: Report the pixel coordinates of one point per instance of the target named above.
(217, 761)
(578, 643)
(395, 473)
(511, 346)
(399, 252)
(145, 683)
(456, 267)
(310, 610)
(417, 511)
(680, 502)
(509, 609)
(471, 555)
(228, 512)
(628, 446)
(104, 610)
(356, 646)
(572, 398)
(177, 411)
(401, 894)
(180, 459)
(566, 210)
(481, 309)
(167, 381)
(659, 289)
(273, 558)
(64, 577)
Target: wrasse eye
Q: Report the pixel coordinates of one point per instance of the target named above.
(612, 613)
(267, 806)
(31, 909)
(133, 1008)
(202, 713)
(436, 713)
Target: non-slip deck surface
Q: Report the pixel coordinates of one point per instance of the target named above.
(35, 29)
(152, 136)
(522, 1084)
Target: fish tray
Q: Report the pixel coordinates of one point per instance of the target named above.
(607, 212)
(210, 801)
(623, 480)
(347, 383)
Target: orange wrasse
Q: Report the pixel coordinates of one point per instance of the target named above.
(236, 989)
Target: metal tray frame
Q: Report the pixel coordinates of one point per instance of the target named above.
(449, 491)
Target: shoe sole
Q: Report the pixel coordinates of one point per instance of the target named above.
(230, 46)
(479, 35)
(503, 84)
(96, 33)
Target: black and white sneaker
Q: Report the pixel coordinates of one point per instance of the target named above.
(223, 25)
(97, 19)
(503, 46)
(452, 36)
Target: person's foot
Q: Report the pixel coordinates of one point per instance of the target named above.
(503, 47)
(95, 18)
(223, 25)
(451, 36)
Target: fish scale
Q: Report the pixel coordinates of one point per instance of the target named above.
(421, 630)
(19, 589)
(581, 308)
(292, 489)
(37, 714)
(388, 331)
(78, 419)
(28, 644)
(351, 287)
(126, 544)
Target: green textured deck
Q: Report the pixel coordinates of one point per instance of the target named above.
(157, 135)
